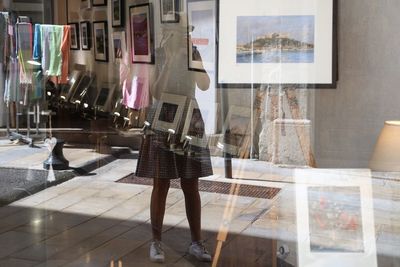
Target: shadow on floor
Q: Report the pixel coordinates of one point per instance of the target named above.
(38, 237)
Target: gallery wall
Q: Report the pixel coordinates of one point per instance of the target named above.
(348, 120)
(110, 71)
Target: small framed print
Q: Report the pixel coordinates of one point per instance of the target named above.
(236, 129)
(75, 44)
(118, 46)
(335, 219)
(100, 32)
(142, 40)
(86, 35)
(85, 4)
(195, 125)
(169, 112)
(68, 89)
(118, 13)
(201, 32)
(104, 97)
(169, 11)
(82, 88)
(99, 2)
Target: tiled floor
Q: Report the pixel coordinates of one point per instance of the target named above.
(93, 221)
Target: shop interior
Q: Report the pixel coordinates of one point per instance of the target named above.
(294, 105)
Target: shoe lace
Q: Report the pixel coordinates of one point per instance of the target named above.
(158, 248)
(200, 245)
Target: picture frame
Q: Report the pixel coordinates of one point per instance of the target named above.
(118, 13)
(169, 112)
(277, 42)
(100, 33)
(85, 4)
(85, 83)
(68, 89)
(103, 101)
(201, 32)
(195, 124)
(169, 11)
(236, 128)
(118, 46)
(75, 42)
(335, 221)
(99, 2)
(86, 35)
(142, 34)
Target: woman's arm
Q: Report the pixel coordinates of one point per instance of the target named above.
(202, 79)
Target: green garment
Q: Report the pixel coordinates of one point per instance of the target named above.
(52, 36)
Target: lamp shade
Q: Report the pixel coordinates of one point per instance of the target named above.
(386, 156)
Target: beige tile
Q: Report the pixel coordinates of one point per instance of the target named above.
(93, 206)
(36, 199)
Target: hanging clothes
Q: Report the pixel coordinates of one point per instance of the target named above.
(135, 90)
(37, 84)
(3, 37)
(37, 75)
(37, 43)
(65, 48)
(52, 36)
(12, 72)
(3, 55)
(24, 48)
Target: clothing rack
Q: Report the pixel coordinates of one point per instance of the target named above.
(16, 134)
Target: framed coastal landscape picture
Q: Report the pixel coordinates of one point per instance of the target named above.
(277, 42)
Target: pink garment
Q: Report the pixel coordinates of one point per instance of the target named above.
(65, 47)
(135, 87)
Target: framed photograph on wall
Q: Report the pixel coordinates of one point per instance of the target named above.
(169, 10)
(118, 46)
(237, 127)
(75, 44)
(85, 4)
(142, 40)
(169, 112)
(277, 42)
(201, 32)
(100, 32)
(118, 13)
(99, 2)
(104, 97)
(86, 35)
(335, 220)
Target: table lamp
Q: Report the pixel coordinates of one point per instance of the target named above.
(386, 156)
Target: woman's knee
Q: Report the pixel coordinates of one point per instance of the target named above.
(161, 186)
(190, 186)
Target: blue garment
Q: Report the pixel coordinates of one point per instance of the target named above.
(37, 43)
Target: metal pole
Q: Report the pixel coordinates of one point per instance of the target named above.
(224, 111)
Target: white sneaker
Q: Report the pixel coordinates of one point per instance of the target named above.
(198, 250)
(156, 252)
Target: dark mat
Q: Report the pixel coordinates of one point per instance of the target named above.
(214, 187)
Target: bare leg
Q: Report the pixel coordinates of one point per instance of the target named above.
(190, 189)
(157, 206)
